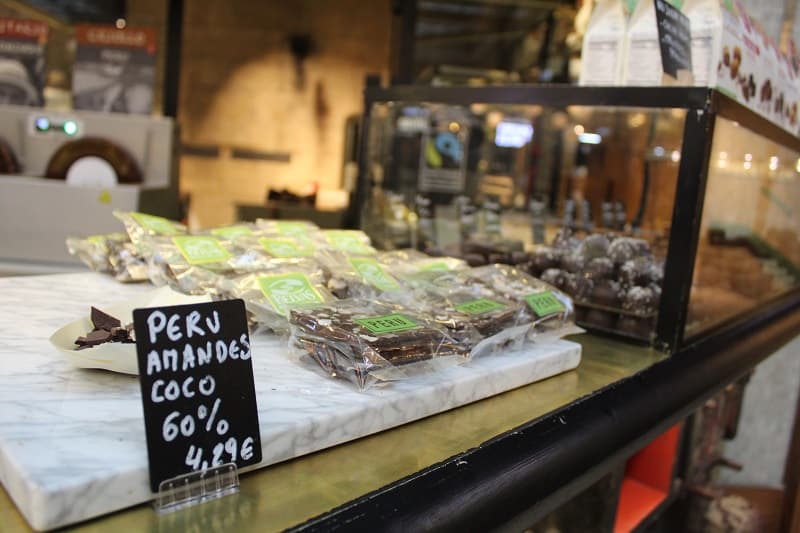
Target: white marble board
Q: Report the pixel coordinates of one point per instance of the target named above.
(72, 441)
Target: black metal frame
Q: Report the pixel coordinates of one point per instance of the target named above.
(172, 58)
(702, 107)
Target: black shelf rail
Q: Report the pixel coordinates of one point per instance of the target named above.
(520, 476)
(546, 95)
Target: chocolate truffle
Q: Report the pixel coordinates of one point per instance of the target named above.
(622, 250)
(600, 268)
(606, 292)
(554, 276)
(573, 262)
(641, 271)
(639, 300)
(595, 246)
(544, 258)
(578, 286)
(518, 257)
(499, 258)
(474, 259)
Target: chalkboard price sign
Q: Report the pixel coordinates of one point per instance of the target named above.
(198, 393)
(675, 38)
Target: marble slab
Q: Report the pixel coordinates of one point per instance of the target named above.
(72, 441)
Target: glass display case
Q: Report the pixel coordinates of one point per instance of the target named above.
(665, 212)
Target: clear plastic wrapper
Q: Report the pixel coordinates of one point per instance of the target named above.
(413, 264)
(191, 264)
(475, 315)
(277, 246)
(347, 241)
(355, 276)
(270, 296)
(289, 228)
(233, 232)
(194, 264)
(367, 342)
(112, 254)
(141, 226)
(552, 311)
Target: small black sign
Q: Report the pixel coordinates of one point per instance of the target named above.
(197, 388)
(675, 38)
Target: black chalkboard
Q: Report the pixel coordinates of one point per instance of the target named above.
(675, 38)
(198, 393)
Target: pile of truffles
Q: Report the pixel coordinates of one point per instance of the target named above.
(615, 281)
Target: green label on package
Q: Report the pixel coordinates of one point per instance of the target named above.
(437, 266)
(231, 232)
(285, 247)
(285, 291)
(373, 273)
(544, 303)
(200, 250)
(101, 239)
(348, 241)
(159, 225)
(387, 323)
(292, 228)
(478, 307)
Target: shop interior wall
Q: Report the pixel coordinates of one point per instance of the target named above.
(241, 87)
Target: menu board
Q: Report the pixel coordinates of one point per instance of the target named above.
(115, 69)
(198, 393)
(22, 61)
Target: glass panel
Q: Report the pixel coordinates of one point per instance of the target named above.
(749, 250)
(527, 185)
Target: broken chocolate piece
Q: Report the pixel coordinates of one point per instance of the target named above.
(102, 320)
(106, 329)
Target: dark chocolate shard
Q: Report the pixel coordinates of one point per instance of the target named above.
(102, 320)
(93, 338)
(106, 329)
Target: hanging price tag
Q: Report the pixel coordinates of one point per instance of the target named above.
(197, 386)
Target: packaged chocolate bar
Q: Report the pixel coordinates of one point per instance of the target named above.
(282, 246)
(233, 232)
(270, 296)
(112, 254)
(367, 342)
(500, 324)
(552, 311)
(414, 265)
(473, 313)
(355, 276)
(93, 251)
(142, 225)
(349, 242)
(194, 264)
(191, 264)
(288, 228)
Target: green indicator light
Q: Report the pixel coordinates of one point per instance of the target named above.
(70, 127)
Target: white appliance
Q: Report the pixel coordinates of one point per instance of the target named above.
(38, 214)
